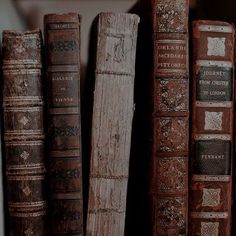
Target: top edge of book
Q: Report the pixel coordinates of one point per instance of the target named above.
(69, 17)
(121, 14)
(13, 33)
(213, 26)
(118, 23)
(170, 16)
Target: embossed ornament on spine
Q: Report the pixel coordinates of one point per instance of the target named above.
(24, 133)
(169, 176)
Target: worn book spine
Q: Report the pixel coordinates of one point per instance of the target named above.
(112, 123)
(212, 128)
(170, 117)
(62, 35)
(24, 133)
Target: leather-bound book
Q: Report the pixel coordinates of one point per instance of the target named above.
(212, 128)
(112, 123)
(62, 41)
(170, 117)
(24, 133)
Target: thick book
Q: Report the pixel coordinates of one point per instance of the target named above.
(170, 118)
(112, 123)
(62, 42)
(24, 133)
(212, 128)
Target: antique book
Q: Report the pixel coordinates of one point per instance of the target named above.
(212, 128)
(62, 42)
(24, 133)
(170, 118)
(112, 123)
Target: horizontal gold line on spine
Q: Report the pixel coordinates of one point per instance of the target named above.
(214, 63)
(20, 62)
(24, 98)
(23, 135)
(227, 137)
(22, 170)
(67, 196)
(15, 173)
(25, 143)
(171, 154)
(64, 110)
(209, 215)
(31, 166)
(27, 168)
(215, 28)
(66, 153)
(22, 71)
(25, 171)
(33, 132)
(106, 211)
(28, 207)
(27, 215)
(174, 41)
(171, 71)
(107, 72)
(32, 178)
(168, 194)
(17, 136)
(14, 103)
(214, 104)
(184, 113)
(210, 178)
(22, 109)
(63, 69)
(121, 177)
(27, 204)
(20, 103)
(34, 34)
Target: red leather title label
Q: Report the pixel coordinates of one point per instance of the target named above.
(171, 55)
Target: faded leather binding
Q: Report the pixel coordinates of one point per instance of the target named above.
(112, 123)
(212, 129)
(170, 117)
(24, 133)
(62, 35)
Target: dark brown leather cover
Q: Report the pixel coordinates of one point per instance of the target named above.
(169, 174)
(62, 35)
(112, 123)
(212, 129)
(24, 133)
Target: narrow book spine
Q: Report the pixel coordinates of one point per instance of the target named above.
(212, 128)
(24, 133)
(62, 34)
(112, 123)
(170, 117)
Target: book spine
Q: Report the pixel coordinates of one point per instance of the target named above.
(112, 123)
(62, 33)
(212, 128)
(24, 133)
(170, 117)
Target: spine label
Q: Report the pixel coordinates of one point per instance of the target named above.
(171, 54)
(214, 84)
